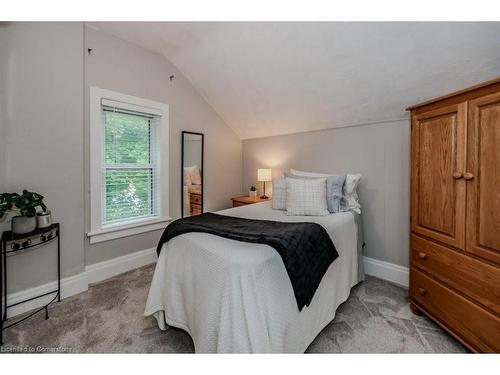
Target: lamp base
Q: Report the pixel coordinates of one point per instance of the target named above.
(264, 196)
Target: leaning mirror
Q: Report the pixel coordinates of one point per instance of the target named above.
(192, 173)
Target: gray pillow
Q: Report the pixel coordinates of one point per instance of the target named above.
(334, 185)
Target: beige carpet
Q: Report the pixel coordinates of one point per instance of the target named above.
(109, 318)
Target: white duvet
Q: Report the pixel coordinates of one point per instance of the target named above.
(234, 297)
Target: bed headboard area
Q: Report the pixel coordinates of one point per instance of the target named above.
(380, 152)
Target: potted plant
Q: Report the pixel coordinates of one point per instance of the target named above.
(253, 192)
(25, 204)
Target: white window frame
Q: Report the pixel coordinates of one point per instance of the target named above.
(98, 232)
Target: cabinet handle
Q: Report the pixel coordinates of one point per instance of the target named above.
(457, 175)
(422, 255)
(422, 291)
(468, 176)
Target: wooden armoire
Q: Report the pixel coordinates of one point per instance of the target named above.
(455, 214)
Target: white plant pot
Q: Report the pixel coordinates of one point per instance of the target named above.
(23, 224)
(43, 219)
(252, 194)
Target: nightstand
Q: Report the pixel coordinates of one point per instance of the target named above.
(243, 201)
(195, 203)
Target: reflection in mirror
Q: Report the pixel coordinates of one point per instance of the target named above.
(192, 173)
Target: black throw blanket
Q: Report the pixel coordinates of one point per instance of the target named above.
(306, 248)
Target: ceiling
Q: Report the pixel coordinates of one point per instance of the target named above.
(275, 78)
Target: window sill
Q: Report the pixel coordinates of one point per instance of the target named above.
(112, 233)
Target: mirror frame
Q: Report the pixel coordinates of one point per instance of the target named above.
(202, 169)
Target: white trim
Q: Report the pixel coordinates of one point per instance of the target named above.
(387, 271)
(69, 286)
(338, 127)
(110, 233)
(79, 283)
(109, 268)
(97, 96)
(133, 107)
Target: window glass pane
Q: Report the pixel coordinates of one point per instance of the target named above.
(127, 138)
(128, 193)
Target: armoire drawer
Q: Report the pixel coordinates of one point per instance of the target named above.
(478, 327)
(479, 280)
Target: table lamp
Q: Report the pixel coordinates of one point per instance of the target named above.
(264, 175)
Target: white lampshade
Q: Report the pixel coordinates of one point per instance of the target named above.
(264, 175)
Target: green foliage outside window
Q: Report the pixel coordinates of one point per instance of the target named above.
(128, 174)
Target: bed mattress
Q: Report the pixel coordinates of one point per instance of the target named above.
(236, 297)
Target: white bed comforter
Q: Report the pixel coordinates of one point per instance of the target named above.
(234, 297)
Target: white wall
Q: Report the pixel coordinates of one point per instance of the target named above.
(124, 67)
(42, 137)
(380, 152)
(275, 78)
(45, 73)
(43, 132)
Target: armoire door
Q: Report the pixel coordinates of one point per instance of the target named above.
(438, 163)
(483, 177)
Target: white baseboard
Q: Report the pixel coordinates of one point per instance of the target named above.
(109, 268)
(79, 283)
(387, 271)
(69, 287)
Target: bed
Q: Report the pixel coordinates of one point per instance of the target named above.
(236, 297)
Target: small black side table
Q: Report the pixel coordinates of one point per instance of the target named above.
(12, 244)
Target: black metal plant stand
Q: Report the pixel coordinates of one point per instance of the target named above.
(12, 244)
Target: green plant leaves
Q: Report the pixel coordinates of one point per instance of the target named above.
(26, 203)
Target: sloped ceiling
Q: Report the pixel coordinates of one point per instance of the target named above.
(267, 79)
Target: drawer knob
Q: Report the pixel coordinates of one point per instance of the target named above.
(457, 175)
(422, 255)
(422, 291)
(468, 176)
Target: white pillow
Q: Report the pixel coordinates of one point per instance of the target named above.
(307, 174)
(279, 194)
(350, 201)
(306, 197)
(187, 178)
(334, 189)
(194, 174)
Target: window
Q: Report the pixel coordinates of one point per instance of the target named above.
(129, 165)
